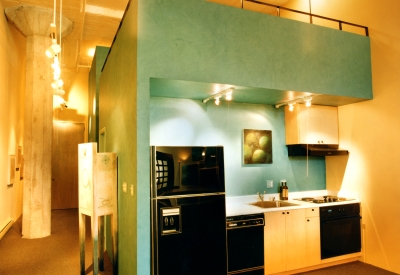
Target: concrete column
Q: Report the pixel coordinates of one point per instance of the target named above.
(38, 131)
(34, 23)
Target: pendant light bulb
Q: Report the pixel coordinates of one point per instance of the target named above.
(217, 101)
(53, 50)
(60, 82)
(54, 84)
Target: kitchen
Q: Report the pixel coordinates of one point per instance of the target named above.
(304, 177)
(368, 171)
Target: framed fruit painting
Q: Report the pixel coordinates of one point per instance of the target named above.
(257, 146)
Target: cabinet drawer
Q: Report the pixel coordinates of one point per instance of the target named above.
(312, 212)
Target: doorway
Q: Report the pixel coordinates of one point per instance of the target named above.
(64, 164)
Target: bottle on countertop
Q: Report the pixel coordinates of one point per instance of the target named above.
(281, 191)
(285, 192)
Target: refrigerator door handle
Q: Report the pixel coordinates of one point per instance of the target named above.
(170, 220)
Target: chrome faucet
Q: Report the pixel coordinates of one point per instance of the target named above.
(261, 196)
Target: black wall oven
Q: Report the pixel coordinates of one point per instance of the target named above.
(340, 230)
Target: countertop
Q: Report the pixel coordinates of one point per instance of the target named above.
(241, 205)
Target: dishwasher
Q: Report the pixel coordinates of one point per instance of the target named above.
(245, 240)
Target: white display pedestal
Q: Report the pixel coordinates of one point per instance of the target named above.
(97, 199)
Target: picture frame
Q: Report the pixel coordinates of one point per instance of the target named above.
(257, 146)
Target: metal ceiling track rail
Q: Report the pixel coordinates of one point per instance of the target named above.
(311, 15)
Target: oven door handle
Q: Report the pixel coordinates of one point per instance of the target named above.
(340, 218)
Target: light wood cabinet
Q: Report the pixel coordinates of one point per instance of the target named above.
(312, 125)
(313, 251)
(284, 240)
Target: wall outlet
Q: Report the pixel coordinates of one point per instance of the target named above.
(270, 183)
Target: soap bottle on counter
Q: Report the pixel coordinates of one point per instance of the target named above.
(281, 191)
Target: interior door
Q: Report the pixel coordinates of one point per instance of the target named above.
(64, 164)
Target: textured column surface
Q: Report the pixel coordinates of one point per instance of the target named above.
(38, 131)
(34, 23)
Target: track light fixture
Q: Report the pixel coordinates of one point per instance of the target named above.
(227, 93)
(291, 106)
(307, 100)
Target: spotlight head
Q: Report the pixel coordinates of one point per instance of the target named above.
(228, 96)
(53, 50)
(217, 101)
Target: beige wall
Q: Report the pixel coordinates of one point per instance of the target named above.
(76, 96)
(370, 131)
(12, 83)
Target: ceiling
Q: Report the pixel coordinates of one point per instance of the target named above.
(95, 23)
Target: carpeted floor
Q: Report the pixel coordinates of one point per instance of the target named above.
(353, 268)
(59, 253)
(52, 255)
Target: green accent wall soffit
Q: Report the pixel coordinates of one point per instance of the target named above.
(267, 59)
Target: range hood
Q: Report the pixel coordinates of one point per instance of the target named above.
(315, 150)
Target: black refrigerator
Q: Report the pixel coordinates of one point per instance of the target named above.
(188, 227)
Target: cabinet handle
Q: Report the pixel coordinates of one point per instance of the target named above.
(308, 220)
(283, 213)
(312, 209)
(287, 213)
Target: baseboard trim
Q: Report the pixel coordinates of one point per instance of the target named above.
(5, 229)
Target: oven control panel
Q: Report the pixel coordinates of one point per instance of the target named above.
(339, 210)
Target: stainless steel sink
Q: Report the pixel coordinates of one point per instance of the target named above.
(272, 204)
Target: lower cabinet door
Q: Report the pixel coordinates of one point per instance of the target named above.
(313, 241)
(284, 241)
(295, 239)
(275, 242)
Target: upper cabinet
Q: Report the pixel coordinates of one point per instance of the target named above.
(312, 125)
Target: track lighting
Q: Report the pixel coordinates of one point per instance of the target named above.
(228, 96)
(307, 100)
(227, 93)
(291, 106)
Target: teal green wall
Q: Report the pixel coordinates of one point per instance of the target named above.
(190, 122)
(196, 40)
(199, 41)
(119, 115)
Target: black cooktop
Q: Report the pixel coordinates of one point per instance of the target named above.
(324, 199)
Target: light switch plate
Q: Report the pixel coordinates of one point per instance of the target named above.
(270, 184)
(124, 187)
